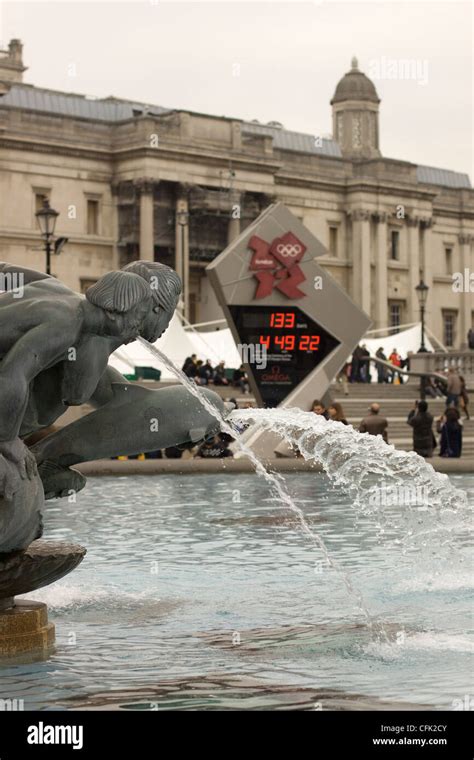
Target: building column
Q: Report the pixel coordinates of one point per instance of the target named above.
(413, 268)
(427, 269)
(381, 272)
(233, 230)
(361, 258)
(115, 194)
(466, 304)
(146, 241)
(182, 249)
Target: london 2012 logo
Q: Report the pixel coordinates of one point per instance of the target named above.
(276, 265)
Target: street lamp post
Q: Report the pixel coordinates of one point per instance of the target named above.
(47, 217)
(182, 217)
(422, 293)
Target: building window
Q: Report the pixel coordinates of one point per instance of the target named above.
(372, 130)
(333, 240)
(92, 216)
(40, 198)
(395, 315)
(394, 245)
(449, 328)
(356, 131)
(448, 254)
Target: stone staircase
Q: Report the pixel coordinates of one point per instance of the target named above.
(395, 403)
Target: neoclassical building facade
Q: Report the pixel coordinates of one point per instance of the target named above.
(134, 180)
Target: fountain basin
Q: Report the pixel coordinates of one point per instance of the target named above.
(196, 576)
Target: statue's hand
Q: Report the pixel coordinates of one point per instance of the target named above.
(16, 464)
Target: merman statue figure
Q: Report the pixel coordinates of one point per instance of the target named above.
(54, 350)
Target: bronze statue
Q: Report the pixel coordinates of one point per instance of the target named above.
(54, 350)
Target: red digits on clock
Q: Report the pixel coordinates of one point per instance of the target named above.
(282, 319)
(285, 342)
(304, 341)
(309, 342)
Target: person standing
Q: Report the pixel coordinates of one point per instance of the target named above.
(356, 364)
(464, 397)
(396, 360)
(365, 364)
(374, 423)
(450, 428)
(470, 338)
(421, 421)
(341, 378)
(454, 388)
(382, 374)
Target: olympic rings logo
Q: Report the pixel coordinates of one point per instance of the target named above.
(289, 251)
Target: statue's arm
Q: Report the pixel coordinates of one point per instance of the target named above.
(36, 350)
(28, 275)
(104, 393)
(84, 371)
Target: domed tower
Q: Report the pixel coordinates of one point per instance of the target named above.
(355, 115)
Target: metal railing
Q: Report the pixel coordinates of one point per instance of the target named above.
(408, 372)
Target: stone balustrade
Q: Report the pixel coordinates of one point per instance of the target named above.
(440, 361)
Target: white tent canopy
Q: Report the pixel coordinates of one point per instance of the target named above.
(218, 345)
(404, 341)
(178, 343)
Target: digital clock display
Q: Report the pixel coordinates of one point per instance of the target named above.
(291, 344)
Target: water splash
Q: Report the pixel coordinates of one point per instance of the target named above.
(357, 461)
(413, 504)
(274, 482)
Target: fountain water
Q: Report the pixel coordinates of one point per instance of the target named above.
(409, 500)
(274, 482)
(358, 463)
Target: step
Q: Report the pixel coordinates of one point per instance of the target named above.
(380, 392)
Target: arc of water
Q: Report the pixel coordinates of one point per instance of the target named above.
(273, 482)
(433, 513)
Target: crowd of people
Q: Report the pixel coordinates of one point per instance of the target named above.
(358, 369)
(203, 373)
(449, 425)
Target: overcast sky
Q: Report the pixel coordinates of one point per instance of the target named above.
(266, 60)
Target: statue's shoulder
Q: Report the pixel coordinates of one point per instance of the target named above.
(52, 287)
(51, 300)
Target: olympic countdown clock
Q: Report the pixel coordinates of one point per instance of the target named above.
(293, 324)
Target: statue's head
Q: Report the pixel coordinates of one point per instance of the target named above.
(165, 287)
(127, 302)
